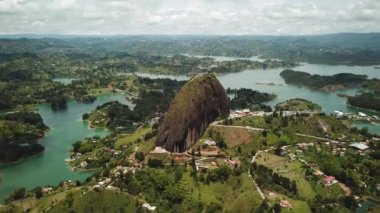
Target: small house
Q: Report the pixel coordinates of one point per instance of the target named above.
(209, 143)
(83, 165)
(360, 146)
(329, 180)
(233, 163)
(317, 173)
(292, 156)
(149, 207)
(285, 204)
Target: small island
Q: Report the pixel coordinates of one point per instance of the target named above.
(248, 98)
(297, 104)
(324, 83)
(19, 134)
(113, 115)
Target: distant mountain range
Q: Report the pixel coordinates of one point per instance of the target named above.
(342, 48)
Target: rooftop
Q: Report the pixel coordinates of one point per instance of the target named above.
(328, 179)
(360, 146)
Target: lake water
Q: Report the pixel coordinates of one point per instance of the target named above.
(66, 127)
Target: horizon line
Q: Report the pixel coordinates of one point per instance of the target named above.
(5, 35)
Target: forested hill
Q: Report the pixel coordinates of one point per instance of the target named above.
(326, 83)
(344, 48)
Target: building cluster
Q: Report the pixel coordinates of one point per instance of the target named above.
(248, 112)
(105, 183)
(122, 170)
(336, 147)
(212, 162)
(359, 116)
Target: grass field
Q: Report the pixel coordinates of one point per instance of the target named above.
(39, 205)
(92, 201)
(237, 194)
(291, 169)
(330, 192)
(317, 125)
(298, 206)
(235, 136)
(238, 137)
(127, 139)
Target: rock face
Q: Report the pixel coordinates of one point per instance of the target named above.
(197, 104)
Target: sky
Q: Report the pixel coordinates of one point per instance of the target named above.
(180, 17)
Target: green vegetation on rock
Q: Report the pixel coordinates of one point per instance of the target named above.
(297, 104)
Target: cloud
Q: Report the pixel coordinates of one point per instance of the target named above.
(270, 17)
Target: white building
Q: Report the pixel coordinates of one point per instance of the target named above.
(149, 207)
(361, 146)
(209, 143)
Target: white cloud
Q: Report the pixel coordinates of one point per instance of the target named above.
(269, 17)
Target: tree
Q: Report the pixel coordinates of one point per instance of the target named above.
(155, 163)
(192, 163)
(275, 114)
(59, 102)
(139, 156)
(277, 151)
(38, 192)
(239, 149)
(69, 199)
(294, 188)
(174, 195)
(213, 208)
(85, 116)
(76, 146)
(350, 202)
(276, 208)
(16, 195)
(284, 121)
(263, 207)
(237, 171)
(220, 174)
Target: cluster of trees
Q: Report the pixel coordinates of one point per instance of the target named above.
(368, 100)
(267, 177)
(222, 173)
(218, 138)
(31, 118)
(158, 186)
(118, 114)
(352, 170)
(16, 195)
(155, 163)
(243, 98)
(58, 102)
